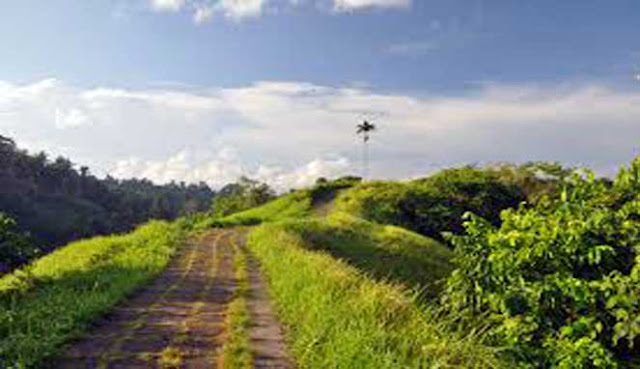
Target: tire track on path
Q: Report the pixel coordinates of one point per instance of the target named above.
(183, 309)
(178, 320)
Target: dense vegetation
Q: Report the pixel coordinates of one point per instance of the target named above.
(242, 195)
(338, 317)
(56, 203)
(435, 204)
(15, 246)
(541, 267)
(293, 205)
(53, 299)
(559, 282)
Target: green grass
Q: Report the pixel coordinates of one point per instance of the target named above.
(385, 252)
(336, 316)
(435, 204)
(53, 299)
(236, 351)
(293, 205)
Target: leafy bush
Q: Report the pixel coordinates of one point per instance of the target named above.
(560, 282)
(435, 204)
(535, 179)
(15, 247)
(240, 196)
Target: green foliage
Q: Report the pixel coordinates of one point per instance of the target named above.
(535, 179)
(240, 196)
(50, 301)
(57, 203)
(15, 247)
(338, 317)
(435, 204)
(560, 282)
(292, 205)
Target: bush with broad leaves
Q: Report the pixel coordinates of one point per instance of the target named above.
(558, 284)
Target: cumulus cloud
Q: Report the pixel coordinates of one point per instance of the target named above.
(350, 5)
(71, 118)
(238, 9)
(204, 10)
(167, 5)
(225, 167)
(289, 133)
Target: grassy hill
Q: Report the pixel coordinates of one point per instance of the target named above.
(539, 274)
(53, 299)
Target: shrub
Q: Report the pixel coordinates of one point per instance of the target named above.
(560, 282)
(435, 204)
(240, 196)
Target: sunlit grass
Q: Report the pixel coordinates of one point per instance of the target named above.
(336, 316)
(170, 358)
(236, 352)
(294, 205)
(45, 304)
(385, 252)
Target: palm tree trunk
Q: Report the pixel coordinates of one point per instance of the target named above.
(365, 160)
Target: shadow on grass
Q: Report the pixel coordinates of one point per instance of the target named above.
(36, 322)
(384, 252)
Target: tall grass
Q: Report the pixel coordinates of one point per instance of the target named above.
(385, 252)
(338, 317)
(293, 205)
(51, 300)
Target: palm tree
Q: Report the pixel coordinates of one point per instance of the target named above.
(365, 130)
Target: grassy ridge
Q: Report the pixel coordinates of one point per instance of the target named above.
(51, 300)
(236, 351)
(293, 205)
(384, 251)
(434, 204)
(338, 317)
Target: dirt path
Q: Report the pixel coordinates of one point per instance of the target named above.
(175, 322)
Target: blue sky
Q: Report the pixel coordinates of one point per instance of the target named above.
(208, 90)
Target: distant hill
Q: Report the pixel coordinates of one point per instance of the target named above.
(57, 203)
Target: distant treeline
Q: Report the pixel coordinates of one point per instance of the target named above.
(56, 203)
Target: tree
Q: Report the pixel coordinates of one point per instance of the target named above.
(15, 247)
(57, 203)
(244, 194)
(365, 129)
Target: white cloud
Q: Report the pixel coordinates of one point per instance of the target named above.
(202, 11)
(205, 10)
(225, 167)
(350, 5)
(71, 118)
(238, 9)
(167, 5)
(288, 133)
